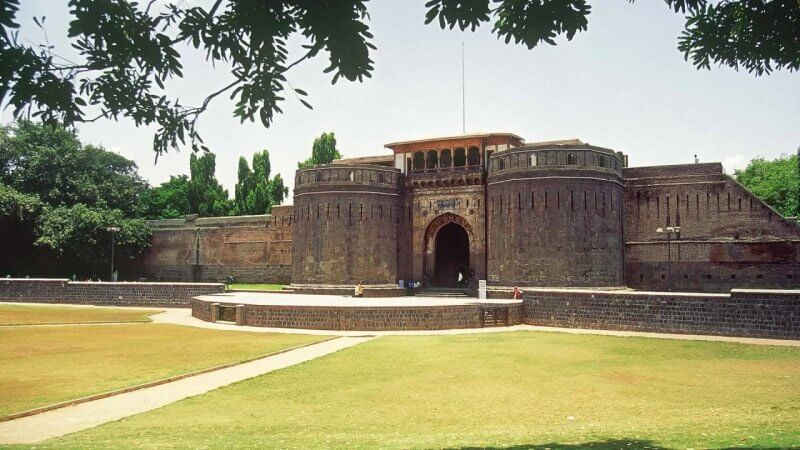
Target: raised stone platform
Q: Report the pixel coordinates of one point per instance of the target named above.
(370, 290)
(329, 312)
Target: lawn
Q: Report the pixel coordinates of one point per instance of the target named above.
(46, 365)
(255, 287)
(544, 390)
(46, 314)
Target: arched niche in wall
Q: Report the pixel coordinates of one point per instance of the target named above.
(446, 159)
(419, 160)
(473, 156)
(460, 157)
(432, 161)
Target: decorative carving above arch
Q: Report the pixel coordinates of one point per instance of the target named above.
(436, 224)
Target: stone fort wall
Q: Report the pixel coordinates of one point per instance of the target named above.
(555, 216)
(247, 248)
(543, 215)
(347, 223)
(729, 238)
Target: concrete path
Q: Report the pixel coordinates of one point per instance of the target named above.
(59, 422)
(183, 316)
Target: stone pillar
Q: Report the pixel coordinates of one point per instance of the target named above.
(214, 312)
(240, 319)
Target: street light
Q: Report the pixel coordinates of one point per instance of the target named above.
(113, 231)
(669, 231)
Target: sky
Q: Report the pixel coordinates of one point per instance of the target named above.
(622, 84)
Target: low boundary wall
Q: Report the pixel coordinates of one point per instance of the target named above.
(38, 290)
(742, 312)
(354, 318)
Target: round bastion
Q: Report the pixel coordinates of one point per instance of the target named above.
(554, 215)
(346, 225)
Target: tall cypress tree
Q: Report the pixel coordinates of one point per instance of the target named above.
(256, 193)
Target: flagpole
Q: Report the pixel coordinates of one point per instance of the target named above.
(463, 95)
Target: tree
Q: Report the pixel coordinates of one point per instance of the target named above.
(18, 215)
(277, 190)
(49, 161)
(776, 182)
(205, 195)
(79, 234)
(322, 152)
(15, 205)
(170, 200)
(57, 196)
(256, 193)
(128, 51)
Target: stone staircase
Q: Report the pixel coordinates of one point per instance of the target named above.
(442, 292)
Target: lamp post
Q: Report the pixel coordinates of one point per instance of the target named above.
(669, 231)
(113, 231)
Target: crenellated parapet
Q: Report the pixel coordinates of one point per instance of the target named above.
(549, 158)
(336, 176)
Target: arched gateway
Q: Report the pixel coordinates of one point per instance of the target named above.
(447, 251)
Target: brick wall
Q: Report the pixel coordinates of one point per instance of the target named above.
(729, 238)
(754, 313)
(247, 248)
(32, 290)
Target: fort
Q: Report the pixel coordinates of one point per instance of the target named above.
(449, 211)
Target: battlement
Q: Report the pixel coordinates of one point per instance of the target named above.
(347, 175)
(546, 156)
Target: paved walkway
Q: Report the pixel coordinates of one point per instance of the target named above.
(59, 422)
(183, 316)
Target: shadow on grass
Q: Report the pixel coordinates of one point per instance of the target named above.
(610, 444)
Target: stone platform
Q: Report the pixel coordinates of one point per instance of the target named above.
(330, 312)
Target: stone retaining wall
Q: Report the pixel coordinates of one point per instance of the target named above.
(247, 248)
(357, 318)
(33, 290)
(742, 312)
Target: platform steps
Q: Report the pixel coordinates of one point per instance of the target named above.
(494, 316)
(443, 292)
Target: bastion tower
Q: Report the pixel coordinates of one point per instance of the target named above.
(449, 211)
(346, 225)
(555, 215)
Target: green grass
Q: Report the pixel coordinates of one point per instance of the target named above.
(45, 314)
(255, 286)
(46, 365)
(544, 390)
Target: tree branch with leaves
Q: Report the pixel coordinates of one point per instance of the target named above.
(128, 51)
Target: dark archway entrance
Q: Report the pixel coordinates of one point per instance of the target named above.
(451, 266)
